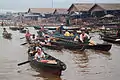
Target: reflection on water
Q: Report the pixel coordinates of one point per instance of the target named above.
(46, 76)
(81, 59)
(81, 65)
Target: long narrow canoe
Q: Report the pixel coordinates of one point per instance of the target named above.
(50, 65)
(53, 47)
(112, 39)
(69, 45)
(102, 47)
(37, 27)
(22, 31)
(75, 45)
(64, 37)
(13, 28)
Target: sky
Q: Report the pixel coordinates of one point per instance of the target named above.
(23, 5)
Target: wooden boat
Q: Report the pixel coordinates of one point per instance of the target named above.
(37, 27)
(64, 37)
(20, 28)
(50, 65)
(13, 28)
(22, 31)
(58, 35)
(69, 45)
(102, 47)
(50, 28)
(64, 28)
(53, 47)
(75, 45)
(112, 39)
(7, 36)
(40, 33)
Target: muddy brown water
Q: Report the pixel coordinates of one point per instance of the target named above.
(87, 65)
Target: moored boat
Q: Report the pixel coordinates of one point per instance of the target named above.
(13, 28)
(54, 47)
(64, 37)
(22, 31)
(102, 47)
(112, 39)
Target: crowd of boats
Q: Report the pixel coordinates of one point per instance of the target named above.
(57, 40)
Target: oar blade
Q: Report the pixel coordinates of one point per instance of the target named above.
(23, 63)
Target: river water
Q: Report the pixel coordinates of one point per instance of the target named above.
(87, 65)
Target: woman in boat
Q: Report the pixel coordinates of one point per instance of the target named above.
(27, 36)
(84, 37)
(39, 55)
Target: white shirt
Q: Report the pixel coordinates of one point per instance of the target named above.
(85, 35)
(39, 55)
(33, 39)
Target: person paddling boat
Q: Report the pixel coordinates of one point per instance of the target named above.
(27, 36)
(84, 37)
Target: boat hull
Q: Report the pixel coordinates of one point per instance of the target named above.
(54, 47)
(102, 47)
(111, 40)
(13, 28)
(69, 45)
(54, 69)
(22, 31)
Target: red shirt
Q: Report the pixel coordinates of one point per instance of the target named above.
(27, 35)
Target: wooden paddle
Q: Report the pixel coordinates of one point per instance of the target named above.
(22, 38)
(23, 63)
(24, 43)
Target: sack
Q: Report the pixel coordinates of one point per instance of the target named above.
(92, 43)
(44, 61)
